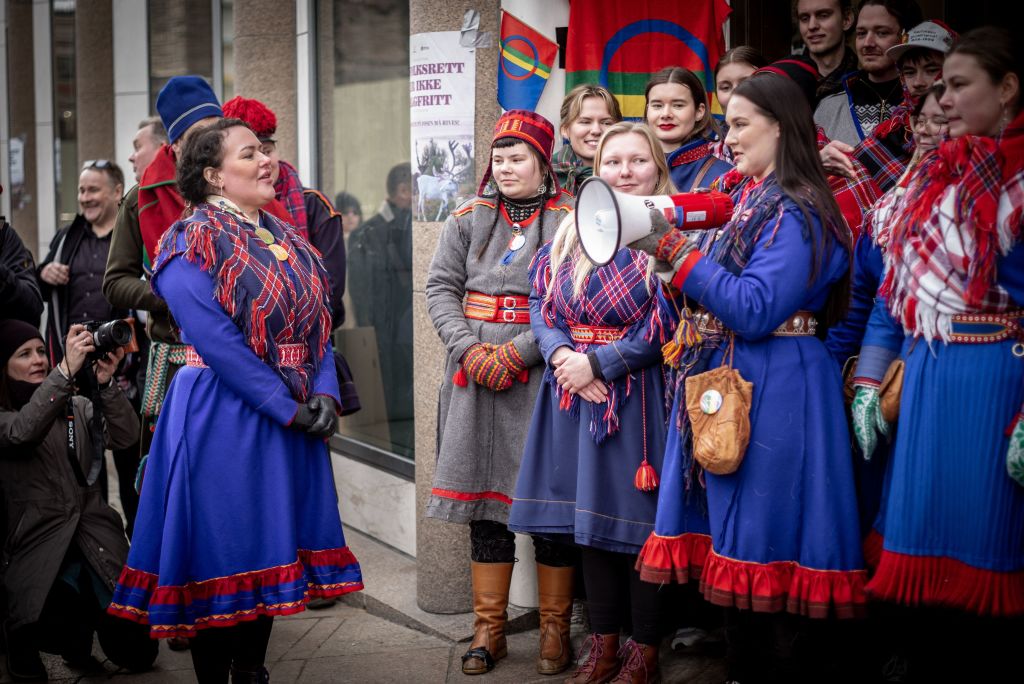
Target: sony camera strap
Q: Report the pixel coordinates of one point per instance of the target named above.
(70, 439)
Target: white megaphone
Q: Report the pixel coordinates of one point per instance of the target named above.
(607, 220)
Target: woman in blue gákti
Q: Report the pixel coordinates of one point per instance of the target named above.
(784, 531)
(949, 540)
(238, 519)
(598, 430)
(678, 112)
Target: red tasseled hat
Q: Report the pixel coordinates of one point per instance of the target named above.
(260, 118)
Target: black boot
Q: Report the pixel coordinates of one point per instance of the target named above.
(23, 661)
(246, 676)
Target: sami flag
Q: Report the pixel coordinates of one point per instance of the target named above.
(524, 64)
(620, 44)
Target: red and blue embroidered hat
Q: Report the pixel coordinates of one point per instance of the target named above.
(530, 127)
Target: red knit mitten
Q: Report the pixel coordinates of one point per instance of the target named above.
(485, 369)
(673, 247)
(508, 356)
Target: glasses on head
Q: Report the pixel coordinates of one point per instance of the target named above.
(96, 164)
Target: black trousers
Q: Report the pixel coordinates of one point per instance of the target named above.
(493, 542)
(216, 649)
(617, 599)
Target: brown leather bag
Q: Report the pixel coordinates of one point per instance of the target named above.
(889, 391)
(718, 404)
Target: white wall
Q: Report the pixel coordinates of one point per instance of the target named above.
(42, 67)
(131, 77)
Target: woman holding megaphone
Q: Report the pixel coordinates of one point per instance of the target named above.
(784, 527)
(597, 436)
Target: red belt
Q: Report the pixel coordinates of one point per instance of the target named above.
(497, 308)
(985, 328)
(290, 355)
(594, 334)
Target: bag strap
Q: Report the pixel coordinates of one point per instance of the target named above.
(703, 172)
(730, 350)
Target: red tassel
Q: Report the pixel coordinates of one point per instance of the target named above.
(460, 379)
(646, 479)
(565, 403)
(524, 376)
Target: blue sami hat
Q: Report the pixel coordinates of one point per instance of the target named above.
(183, 101)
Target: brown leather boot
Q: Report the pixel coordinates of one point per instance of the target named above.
(554, 589)
(602, 661)
(490, 600)
(639, 664)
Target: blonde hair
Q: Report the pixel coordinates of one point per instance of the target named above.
(566, 242)
(572, 104)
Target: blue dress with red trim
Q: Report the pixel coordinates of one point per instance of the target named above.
(685, 164)
(784, 533)
(950, 531)
(581, 459)
(238, 515)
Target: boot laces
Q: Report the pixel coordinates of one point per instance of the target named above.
(596, 651)
(632, 662)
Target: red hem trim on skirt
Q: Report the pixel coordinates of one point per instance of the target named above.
(471, 496)
(783, 585)
(872, 548)
(673, 559)
(942, 581)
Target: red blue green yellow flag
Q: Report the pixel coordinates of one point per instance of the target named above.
(524, 64)
(620, 44)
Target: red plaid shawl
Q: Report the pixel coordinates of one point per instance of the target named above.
(855, 196)
(965, 209)
(288, 189)
(255, 289)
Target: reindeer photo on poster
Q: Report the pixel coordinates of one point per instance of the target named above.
(442, 106)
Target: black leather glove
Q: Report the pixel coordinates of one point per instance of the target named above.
(304, 418)
(326, 422)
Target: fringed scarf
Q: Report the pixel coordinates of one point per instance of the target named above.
(570, 168)
(619, 294)
(272, 302)
(965, 211)
(288, 190)
(759, 208)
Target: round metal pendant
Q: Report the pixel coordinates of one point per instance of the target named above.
(711, 402)
(280, 252)
(265, 235)
(517, 242)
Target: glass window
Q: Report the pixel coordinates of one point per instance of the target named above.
(369, 120)
(180, 42)
(65, 112)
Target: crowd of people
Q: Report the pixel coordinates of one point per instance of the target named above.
(800, 429)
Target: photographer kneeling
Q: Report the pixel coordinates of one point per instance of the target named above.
(65, 547)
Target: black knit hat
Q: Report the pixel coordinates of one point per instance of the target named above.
(13, 334)
(799, 69)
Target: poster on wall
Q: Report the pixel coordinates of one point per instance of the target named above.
(442, 108)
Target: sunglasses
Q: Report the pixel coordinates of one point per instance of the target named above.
(96, 164)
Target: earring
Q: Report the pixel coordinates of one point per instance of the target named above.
(542, 189)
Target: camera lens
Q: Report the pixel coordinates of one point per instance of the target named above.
(111, 335)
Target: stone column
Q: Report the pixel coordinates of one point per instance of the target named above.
(94, 81)
(442, 549)
(265, 63)
(21, 94)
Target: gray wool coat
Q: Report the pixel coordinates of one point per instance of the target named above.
(47, 510)
(480, 433)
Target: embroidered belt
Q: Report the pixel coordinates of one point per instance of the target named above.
(161, 357)
(799, 324)
(497, 308)
(594, 334)
(291, 355)
(985, 328)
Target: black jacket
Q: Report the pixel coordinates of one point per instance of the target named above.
(19, 292)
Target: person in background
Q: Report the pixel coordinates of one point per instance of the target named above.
(66, 546)
(947, 541)
(735, 66)
(148, 139)
(597, 436)
(477, 292)
(823, 26)
(381, 281)
(870, 95)
(678, 112)
(587, 111)
(19, 289)
(238, 518)
(351, 212)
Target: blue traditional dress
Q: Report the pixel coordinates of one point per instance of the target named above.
(783, 527)
(694, 165)
(581, 459)
(951, 530)
(238, 514)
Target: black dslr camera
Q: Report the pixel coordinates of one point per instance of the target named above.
(107, 336)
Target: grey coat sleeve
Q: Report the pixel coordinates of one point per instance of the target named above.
(446, 288)
(30, 424)
(122, 283)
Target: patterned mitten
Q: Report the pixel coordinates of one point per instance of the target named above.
(1015, 452)
(481, 365)
(508, 356)
(866, 414)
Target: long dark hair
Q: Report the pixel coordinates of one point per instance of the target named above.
(685, 77)
(800, 175)
(203, 148)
